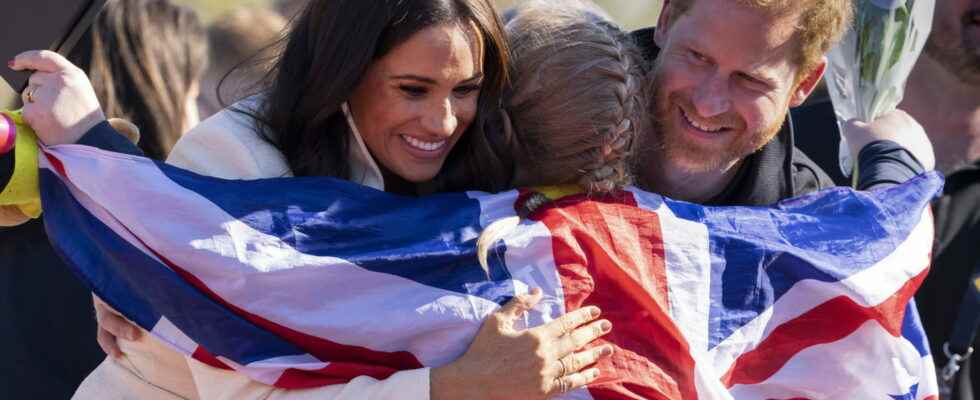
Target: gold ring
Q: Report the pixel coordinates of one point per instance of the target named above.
(30, 94)
(562, 367)
(562, 385)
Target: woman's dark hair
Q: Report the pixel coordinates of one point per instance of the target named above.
(329, 49)
(143, 58)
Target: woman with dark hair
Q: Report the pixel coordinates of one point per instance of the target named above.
(390, 94)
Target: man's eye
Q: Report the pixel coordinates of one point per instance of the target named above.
(413, 91)
(753, 83)
(698, 57)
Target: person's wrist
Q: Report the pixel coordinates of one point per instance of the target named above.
(82, 127)
(448, 383)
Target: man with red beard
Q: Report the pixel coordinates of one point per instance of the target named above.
(944, 94)
(725, 74)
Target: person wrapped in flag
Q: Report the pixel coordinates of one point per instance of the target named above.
(657, 283)
(236, 131)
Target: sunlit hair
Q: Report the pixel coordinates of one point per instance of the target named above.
(242, 47)
(821, 23)
(575, 105)
(144, 57)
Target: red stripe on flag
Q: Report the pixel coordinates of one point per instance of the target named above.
(207, 358)
(58, 166)
(610, 253)
(296, 378)
(346, 362)
(829, 322)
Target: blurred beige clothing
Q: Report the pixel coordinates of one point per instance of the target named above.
(228, 146)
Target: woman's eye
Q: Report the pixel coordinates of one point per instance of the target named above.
(413, 91)
(463, 91)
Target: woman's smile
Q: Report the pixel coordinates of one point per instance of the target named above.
(425, 148)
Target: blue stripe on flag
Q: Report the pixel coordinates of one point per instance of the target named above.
(913, 331)
(826, 236)
(133, 282)
(430, 240)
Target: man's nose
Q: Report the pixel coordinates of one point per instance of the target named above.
(712, 97)
(440, 119)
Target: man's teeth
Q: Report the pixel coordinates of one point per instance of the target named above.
(427, 146)
(700, 126)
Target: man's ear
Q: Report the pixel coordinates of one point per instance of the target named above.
(663, 24)
(808, 83)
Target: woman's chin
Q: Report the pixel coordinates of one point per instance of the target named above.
(418, 174)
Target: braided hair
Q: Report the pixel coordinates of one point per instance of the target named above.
(575, 105)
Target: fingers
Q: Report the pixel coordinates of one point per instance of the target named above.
(40, 78)
(520, 304)
(12, 216)
(108, 343)
(574, 381)
(568, 322)
(575, 362)
(40, 60)
(583, 336)
(113, 324)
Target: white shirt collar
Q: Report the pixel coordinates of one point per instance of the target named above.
(363, 169)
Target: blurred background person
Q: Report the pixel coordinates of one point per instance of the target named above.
(242, 47)
(943, 93)
(289, 8)
(145, 58)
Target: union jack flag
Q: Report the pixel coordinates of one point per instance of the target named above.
(302, 282)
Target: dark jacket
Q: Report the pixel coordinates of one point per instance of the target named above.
(48, 329)
(956, 253)
(778, 171)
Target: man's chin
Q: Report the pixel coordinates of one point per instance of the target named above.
(690, 162)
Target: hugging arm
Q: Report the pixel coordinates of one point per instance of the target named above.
(501, 363)
(891, 150)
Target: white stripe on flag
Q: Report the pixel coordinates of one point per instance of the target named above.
(173, 336)
(530, 260)
(429, 318)
(688, 271)
(868, 288)
(850, 368)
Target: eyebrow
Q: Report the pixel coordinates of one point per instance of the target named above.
(431, 81)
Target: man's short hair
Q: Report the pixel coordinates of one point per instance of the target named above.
(821, 23)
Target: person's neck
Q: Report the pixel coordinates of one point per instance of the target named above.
(695, 187)
(948, 109)
(396, 184)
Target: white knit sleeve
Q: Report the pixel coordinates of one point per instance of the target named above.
(217, 384)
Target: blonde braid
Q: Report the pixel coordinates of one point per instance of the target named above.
(611, 168)
(575, 107)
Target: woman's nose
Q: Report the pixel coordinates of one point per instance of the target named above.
(441, 119)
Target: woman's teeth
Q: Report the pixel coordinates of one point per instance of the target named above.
(422, 145)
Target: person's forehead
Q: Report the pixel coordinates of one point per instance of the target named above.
(734, 31)
(437, 47)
